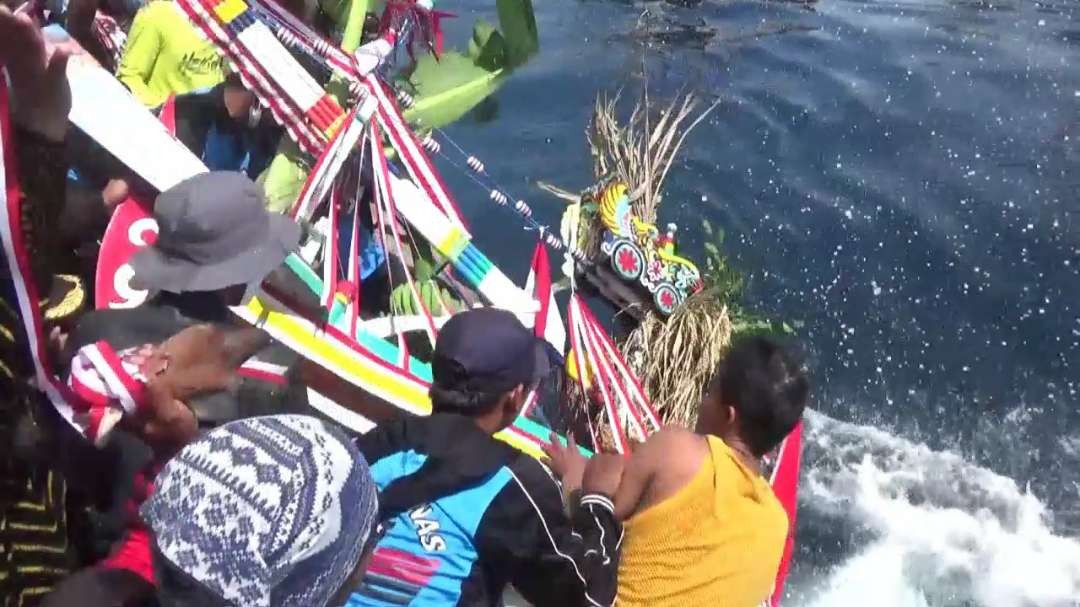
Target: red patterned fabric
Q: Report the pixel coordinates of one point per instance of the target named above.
(108, 385)
(133, 552)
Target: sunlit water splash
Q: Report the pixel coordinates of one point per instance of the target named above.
(935, 529)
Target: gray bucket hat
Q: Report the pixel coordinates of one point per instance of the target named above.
(213, 232)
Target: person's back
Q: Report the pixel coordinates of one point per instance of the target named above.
(165, 55)
(454, 548)
(716, 541)
(472, 514)
(702, 525)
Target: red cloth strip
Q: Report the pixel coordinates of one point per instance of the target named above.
(615, 383)
(18, 261)
(577, 348)
(415, 160)
(620, 363)
(135, 390)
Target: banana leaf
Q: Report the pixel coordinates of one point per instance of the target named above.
(445, 89)
(518, 25)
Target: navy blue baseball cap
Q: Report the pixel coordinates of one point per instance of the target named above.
(488, 350)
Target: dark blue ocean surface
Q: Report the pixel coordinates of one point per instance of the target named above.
(903, 180)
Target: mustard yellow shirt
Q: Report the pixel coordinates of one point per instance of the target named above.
(166, 56)
(715, 543)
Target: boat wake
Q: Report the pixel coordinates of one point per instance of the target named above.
(917, 527)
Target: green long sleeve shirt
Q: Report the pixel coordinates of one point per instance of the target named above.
(165, 56)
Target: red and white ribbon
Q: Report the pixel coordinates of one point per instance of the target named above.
(411, 153)
(297, 33)
(587, 364)
(322, 176)
(108, 385)
(289, 111)
(18, 262)
(547, 323)
(619, 390)
(387, 214)
(626, 378)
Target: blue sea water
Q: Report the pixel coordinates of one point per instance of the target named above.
(902, 180)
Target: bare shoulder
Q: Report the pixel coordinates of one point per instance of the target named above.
(674, 436)
(660, 467)
(678, 448)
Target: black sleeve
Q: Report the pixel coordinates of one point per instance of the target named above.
(83, 218)
(527, 540)
(382, 440)
(42, 176)
(195, 114)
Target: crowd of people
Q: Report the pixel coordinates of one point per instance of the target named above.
(162, 476)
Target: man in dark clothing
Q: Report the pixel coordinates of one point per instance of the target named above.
(470, 513)
(225, 127)
(215, 241)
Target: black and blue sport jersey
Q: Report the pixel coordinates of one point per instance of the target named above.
(470, 514)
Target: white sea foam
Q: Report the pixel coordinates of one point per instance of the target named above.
(942, 531)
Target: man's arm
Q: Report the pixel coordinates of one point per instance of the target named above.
(526, 539)
(80, 24)
(195, 114)
(569, 465)
(382, 440)
(639, 473)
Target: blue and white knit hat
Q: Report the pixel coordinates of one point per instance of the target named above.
(265, 511)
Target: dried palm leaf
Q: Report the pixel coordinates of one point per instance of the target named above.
(641, 151)
(558, 192)
(674, 360)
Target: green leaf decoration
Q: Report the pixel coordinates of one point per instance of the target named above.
(423, 269)
(446, 89)
(518, 23)
(424, 261)
(487, 47)
(745, 323)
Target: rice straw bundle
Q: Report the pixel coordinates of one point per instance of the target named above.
(641, 152)
(676, 358)
(673, 358)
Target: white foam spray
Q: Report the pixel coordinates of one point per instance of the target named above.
(944, 531)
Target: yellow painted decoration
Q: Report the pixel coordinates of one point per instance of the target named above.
(229, 10)
(335, 126)
(610, 199)
(670, 257)
(572, 370)
(618, 217)
(395, 388)
(453, 243)
(301, 335)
